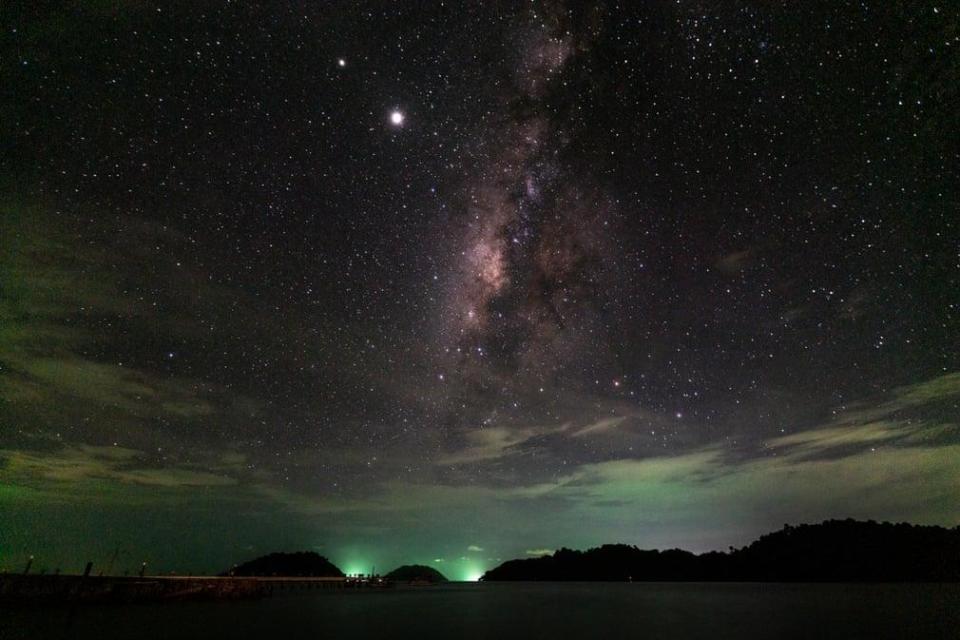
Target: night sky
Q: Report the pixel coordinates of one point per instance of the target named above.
(456, 282)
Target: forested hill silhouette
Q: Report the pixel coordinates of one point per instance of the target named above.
(416, 573)
(299, 564)
(834, 551)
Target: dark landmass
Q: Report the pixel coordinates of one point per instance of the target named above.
(834, 551)
(416, 573)
(300, 564)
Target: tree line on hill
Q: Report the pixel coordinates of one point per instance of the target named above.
(833, 551)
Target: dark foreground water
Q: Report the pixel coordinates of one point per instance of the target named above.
(529, 610)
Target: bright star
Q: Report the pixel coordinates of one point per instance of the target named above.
(396, 118)
(341, 62)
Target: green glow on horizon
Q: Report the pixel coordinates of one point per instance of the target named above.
(357, 567)
(471, 573)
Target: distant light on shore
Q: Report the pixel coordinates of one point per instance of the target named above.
(357, 569)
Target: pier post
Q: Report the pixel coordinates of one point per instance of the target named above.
(26, 569)
(86, 572)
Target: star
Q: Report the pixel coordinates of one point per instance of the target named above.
(341, 62)
(396, 117)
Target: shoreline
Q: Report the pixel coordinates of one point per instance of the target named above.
(35, 588)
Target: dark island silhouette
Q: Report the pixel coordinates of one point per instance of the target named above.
(298, 564)
(416, 574)
(833, 551)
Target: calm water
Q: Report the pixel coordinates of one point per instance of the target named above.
(500, 611)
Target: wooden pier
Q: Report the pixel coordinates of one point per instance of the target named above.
(123, 589)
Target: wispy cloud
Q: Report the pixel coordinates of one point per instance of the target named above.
(495, 442)
(838, 439)
(73, 464)
(910, 398)
(600, 426)
(867, 462)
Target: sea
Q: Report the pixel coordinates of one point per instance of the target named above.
(501, 611)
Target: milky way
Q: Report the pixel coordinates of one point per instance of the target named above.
(536, 239)
(449, 284)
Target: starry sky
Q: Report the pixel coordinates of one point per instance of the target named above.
(457, 282)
